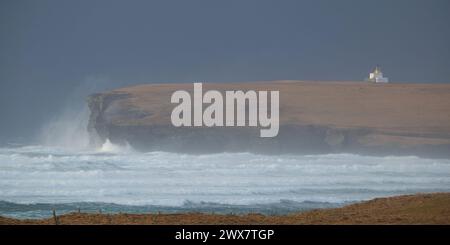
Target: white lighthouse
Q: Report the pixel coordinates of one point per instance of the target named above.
(377, 76)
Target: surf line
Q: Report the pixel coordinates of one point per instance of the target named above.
(213, 115)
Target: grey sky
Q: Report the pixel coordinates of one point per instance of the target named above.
(49, 49)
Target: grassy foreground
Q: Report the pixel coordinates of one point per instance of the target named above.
(409, 209)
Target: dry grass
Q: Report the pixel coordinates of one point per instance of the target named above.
(417, 113)
(411, 209)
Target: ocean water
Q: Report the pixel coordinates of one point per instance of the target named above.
(36, 179)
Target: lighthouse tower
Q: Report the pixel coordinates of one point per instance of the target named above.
(377, 76)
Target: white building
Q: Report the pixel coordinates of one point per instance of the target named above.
(377, 76)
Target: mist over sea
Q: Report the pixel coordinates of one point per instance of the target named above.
(36, 179)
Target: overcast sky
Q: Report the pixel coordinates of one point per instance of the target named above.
(54, 50)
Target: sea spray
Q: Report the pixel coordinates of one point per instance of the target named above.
(109, 147)
(67, 128)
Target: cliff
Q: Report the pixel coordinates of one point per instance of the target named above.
(315, 117)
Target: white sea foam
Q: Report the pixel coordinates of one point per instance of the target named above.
(109, 147)
(38, 174)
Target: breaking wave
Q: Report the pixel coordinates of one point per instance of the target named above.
(119, 177)
(109, 147)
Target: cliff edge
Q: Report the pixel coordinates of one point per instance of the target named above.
(315, 117)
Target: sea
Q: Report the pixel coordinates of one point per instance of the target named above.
(36, 179)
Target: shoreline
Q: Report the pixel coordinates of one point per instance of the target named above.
(431, 208)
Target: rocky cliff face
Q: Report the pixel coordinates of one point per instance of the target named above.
(315, 117)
